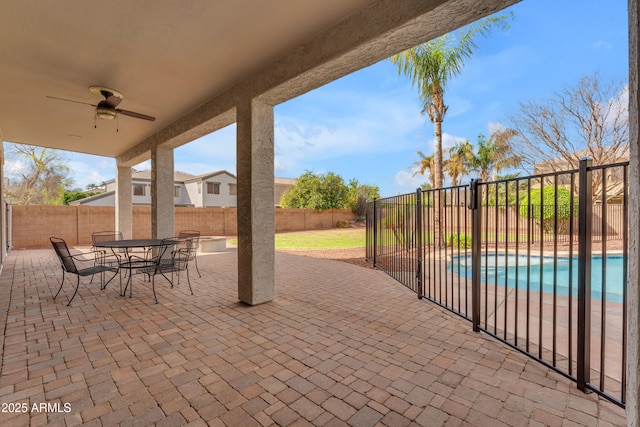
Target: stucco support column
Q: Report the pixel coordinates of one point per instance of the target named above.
(162, 192)
(633, 282)
(124, 206)
(256, 216)
(4, 224)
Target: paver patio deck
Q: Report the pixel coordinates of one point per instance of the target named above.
(341, 345)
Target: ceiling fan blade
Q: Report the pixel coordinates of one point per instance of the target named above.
(136, 115)
(71, 100)
(112, 101)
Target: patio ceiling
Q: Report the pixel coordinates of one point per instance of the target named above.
(166, 57)
(169, 59)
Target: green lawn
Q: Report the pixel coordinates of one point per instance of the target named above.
(337, 238)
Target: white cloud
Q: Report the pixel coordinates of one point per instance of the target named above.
(406, 182)
(601, 44)
(458, 105)
(484, 73)
(448, 141)
(14, 167)
(495, 126)
(341, 125)
(211, 151)
(619, 108)
(86, 170)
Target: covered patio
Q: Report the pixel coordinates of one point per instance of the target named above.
(268, 339)
(341, 345)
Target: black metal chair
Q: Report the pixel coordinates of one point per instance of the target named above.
(183, 252)
(195, 236)
(68, 265)
(115, 257)
(152, 266)
(104, 236)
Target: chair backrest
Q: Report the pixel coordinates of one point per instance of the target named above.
(66, 260)
(194, 234)
(183, 251)
(195, 237)
(159, 253)
(189, 233)
(104, 236)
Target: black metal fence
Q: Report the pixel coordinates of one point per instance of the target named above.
(538, 262)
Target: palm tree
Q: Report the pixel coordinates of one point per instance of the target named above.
(458, 163)
(425, 164)
(431, 65)
(495, 154)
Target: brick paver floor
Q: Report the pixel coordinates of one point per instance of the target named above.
(340, 345)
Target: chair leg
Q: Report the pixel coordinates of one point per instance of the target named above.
(188, 280)
(75, 292)
(195, 260)
(153, 287)
(130, 285)
(61, 284)
(109, 281)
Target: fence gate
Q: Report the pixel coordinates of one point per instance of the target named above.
(538, 262)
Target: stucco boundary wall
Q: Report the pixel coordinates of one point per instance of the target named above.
(31, 226)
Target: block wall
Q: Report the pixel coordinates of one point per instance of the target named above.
(33, 225)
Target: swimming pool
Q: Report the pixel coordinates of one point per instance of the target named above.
(500, 269)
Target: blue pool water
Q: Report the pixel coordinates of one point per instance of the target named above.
(500, 269)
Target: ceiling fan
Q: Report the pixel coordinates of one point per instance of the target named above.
(106, 109)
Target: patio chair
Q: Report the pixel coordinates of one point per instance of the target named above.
(151, 266)
(195, 236)
(183, 252)
(102, 236)
(68, 265)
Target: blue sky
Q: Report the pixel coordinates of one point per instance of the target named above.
(368, 126)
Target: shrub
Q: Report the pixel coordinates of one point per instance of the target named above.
(462, 241)
(545, 216)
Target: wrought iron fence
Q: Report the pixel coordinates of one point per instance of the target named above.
(538, 262)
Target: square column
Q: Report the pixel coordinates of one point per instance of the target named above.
(256, 215)
(124, 214)
(5, 237)
(162, 192)
(633, 281)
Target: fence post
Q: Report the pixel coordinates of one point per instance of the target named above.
(585, 201)
(375, 230)
(476, 248)
(419, 242)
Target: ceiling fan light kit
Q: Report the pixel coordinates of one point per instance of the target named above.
(106, 113)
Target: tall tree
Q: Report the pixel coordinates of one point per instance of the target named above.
(317, 191)
(40, 178)
(459, 161)
(359, 195)
(495, 154)
(589, 118)
(425, 164)
(432, 64)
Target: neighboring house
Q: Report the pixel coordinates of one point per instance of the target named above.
(210, 190)
(614, 176)
(607, 156)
